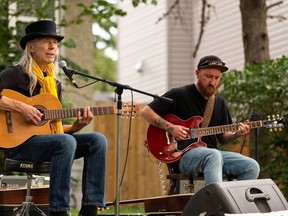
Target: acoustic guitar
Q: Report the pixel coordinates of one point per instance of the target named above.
(14, 129)
(164, 147)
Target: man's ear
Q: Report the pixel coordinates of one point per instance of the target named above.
(197, 73)
(30, 47)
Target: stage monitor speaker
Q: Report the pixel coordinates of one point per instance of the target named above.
(236, 197)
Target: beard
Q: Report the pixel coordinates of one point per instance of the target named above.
(207, 91)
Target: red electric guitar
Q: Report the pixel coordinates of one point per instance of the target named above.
(167, 149)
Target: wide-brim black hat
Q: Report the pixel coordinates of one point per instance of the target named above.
(212, 61)
(42, 28)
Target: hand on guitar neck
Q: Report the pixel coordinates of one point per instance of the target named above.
(229, 136)
(83, 119)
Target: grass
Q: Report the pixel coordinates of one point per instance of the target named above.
(123, 210)
(74, 212)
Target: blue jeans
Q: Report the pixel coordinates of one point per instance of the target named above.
(213, 163)
(61, 150)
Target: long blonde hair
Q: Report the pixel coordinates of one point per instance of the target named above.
(26, 63)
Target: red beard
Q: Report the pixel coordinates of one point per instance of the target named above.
(207, 91)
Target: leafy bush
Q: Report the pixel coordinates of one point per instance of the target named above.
(262, 88)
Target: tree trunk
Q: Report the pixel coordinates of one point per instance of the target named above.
(254, 30)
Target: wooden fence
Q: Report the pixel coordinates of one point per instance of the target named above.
(142, 174)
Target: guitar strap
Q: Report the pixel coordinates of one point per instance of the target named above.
(208, 111)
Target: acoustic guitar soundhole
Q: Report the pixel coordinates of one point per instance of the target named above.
(43, 110)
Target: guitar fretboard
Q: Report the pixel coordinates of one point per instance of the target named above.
(222, 129)
(72, 112)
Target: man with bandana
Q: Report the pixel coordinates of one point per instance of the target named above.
(32, 75)
(190, 101)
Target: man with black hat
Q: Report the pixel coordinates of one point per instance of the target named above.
(34, 74)
(190, 101)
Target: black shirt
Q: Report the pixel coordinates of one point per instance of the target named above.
(15, 79)
(188, 102)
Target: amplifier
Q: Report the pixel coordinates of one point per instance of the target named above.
(237, 197)
(21, 181)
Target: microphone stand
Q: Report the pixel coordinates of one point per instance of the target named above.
(118, 91)
(255, 117)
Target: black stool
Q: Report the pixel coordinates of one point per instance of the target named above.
(30, 168)
(194, 181)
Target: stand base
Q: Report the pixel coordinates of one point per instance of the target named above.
(24, 209)
(8, 210)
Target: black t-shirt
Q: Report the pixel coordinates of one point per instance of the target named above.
(15, 79)
(188, 102)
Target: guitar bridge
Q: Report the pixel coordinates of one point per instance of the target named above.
(8, 122)
(193, 133)
(167, 138)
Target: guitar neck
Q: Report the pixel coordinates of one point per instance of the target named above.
(222, 129)
(72, 112)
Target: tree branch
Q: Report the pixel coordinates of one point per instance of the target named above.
(202, 26)
(168, 12)
(279, 17)
(273, 5)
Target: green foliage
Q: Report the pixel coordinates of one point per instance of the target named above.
(259, 87)
(137, 2)
(10, 35)
(263, 89)
(101, 11)
(104, 14)
(105, 68)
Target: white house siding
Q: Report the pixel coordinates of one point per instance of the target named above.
(140, 39)
(223, 33)
(163, 47)
(180, 39)
(166, 48)
(278, 31)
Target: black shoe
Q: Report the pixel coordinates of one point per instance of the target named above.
(88, 211)
(59, 214)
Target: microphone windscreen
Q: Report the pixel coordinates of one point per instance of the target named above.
(62, 64)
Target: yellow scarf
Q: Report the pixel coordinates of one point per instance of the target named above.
(48, 85)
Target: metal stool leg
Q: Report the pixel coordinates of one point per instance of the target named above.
(24, 209)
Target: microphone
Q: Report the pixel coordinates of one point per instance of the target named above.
(63, 65)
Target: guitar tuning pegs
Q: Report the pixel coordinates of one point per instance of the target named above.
(128, 115)
(276, 123)
(279, 129)
(129, 110)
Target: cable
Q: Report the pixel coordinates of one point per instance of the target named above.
(161, 179)
(128, 142)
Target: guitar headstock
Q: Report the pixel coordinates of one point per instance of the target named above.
(274, 123)
(130, 110)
